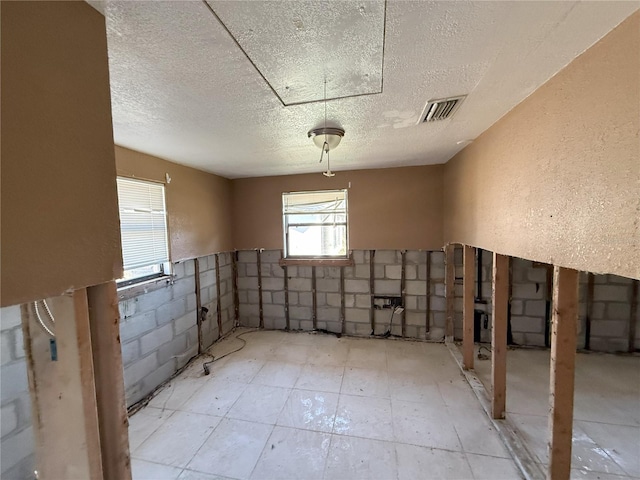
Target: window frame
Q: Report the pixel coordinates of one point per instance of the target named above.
(165, 268)
(287, 257)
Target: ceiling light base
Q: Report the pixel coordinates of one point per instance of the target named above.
(326, 138)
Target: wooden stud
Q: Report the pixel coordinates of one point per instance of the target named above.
(259, 261)
(285, 268)
(403, 286)
(633, 317)
(63, 391)
(342, 302)
(499, 311)
(104, 318)
(468, 282)
(218, 300)
(198, 304)
(314, 299)
(450, 272)
(589, 316)
(372, 317)
(428, 274)
(563, 357)
(236, 298)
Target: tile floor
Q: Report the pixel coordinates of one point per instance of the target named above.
(307, 406)
(606, 440)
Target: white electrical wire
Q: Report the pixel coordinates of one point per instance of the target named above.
(40, 321)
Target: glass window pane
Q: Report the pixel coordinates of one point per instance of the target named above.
(318, 241)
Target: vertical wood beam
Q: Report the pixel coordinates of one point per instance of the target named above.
(342, 303)
(499, 310)
(469, 257)
(196, 264)
(63, 391)
(403, 286)
(218, 300)
(286, 296)
(449, 282)
(259, 261)
(236, 298)
(314, 299)
(633, 317)
(104, 319)
(428, 313)
(372, 317)
(563, 356)
(587, 323)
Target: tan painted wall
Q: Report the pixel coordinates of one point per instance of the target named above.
(198, 203)
(557, 180)
(396, 208)
(60, 225)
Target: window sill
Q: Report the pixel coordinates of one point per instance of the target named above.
(129, 291)
(318, 262)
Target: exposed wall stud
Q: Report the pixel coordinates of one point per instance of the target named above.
(403, 284)
(286, 295)
(563, 357)
(196, 264)
(104, 319)
(499, 307)
(589, 301)
(428, 274)
(633, 318)
(342, 303)
(468, 281)
(218, 301)
(314, 299)
(236, 298)
(372, 317)
(259, 262)
(450, 272)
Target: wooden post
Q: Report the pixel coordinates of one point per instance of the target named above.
(587, 323)
(499, 310)
(428, 292)
(342, 303)
(372, 316)
(259, 261)
(236, 298)
(449, 282)
(403, 287)
(218, 300)
(633, 318)
(104, 318)
(63, 391)
(563, 357)
(286, 295)
(314, 299)
(196, 263)
(468, 306)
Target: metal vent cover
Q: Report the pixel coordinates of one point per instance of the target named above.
(441, 109)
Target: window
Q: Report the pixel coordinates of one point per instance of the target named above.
(315, 224)
(143, 228)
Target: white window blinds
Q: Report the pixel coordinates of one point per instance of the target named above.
(143, 223)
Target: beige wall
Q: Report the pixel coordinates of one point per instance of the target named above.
(557, 180)
(60, 226)
(397, 208)
(198, 203)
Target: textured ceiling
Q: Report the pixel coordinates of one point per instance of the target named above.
(208, 92)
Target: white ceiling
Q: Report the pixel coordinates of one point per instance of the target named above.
(212, 95)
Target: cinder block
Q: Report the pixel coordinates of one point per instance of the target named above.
(140, 369)
(362, 271)
(359, 256)
(273, 310)
(611, 293)
(247, 256)
(277, 298)
(128, 307)
(416, 287)
(248, 283)
(356, 286)
(535, 339)
(387, 287)
(184, 322)
(192, 303)
(328, 285)
(137, 325)
(300, 312)
(526, 291)
(349, 301)
(294, 298)
(410, 272)
(422, 272)
(438, 319)
(208, 278)
(304, 272)
(415, 318)
(226, 273)
(517, 307)
(10, 317)
(178, 269)
(416, 256)
(333, 299)
(171, 311)
(328, 314)
(9, 416)
(300, 284)
(189, 267)
(130, 352)
(527, 324)
(266, 297)
(273, 284)
(357, 315)
(618, 311)
(17, 455)
(305, 299)
(437, 258)
(152, 300)
(277, 271)
(306, 325)
(437, 273)
(393, 272)
(358, 329)
(436, 334)
(173, 349)
(160, 375)
(251, 269)
(438, 289)
(363, 301)
(609, 328)
(6, 347)
(537, 275)
(534, 308)
(438, 304)
(321, 299)
(155, 338)
(422, 303)
(387, 257)
(411, 302)
(183, 287)
(292, 271)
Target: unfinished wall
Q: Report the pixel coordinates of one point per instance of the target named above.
(556, 180)
(216, 294)
(397, 208)
(198, 203)
(313, 297)
(60, 227)
(17, 452)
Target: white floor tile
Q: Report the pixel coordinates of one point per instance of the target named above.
(309, 410)
(334, 355)
(492, 468)
(360, 458)
(144, 423)
(425, 425)
(621, 443)
(293, 454)
(260, 403)
(240, 370)
(232, 450)
(176, 393)
(178, 439)
(278, 374)
(428, 463)
(411, 387)
(365, 382)
(291, 353)
(193, 475)
(215, 398)
(366, 417)
(475, 432)
(323, 378)
(143, 470)
(370, 354)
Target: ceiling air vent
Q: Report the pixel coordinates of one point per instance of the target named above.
(441, 109)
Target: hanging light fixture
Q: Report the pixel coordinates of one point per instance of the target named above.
(327, 138)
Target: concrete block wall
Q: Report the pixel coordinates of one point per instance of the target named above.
(209, 296)
(17, 450)
(227, 305)
(611, 314)
(328, 295)
(158, 331)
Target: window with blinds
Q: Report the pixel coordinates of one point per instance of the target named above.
(315, 224)
(143, 229)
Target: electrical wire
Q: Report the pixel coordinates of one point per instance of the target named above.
(39, 318)
(205, 365)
